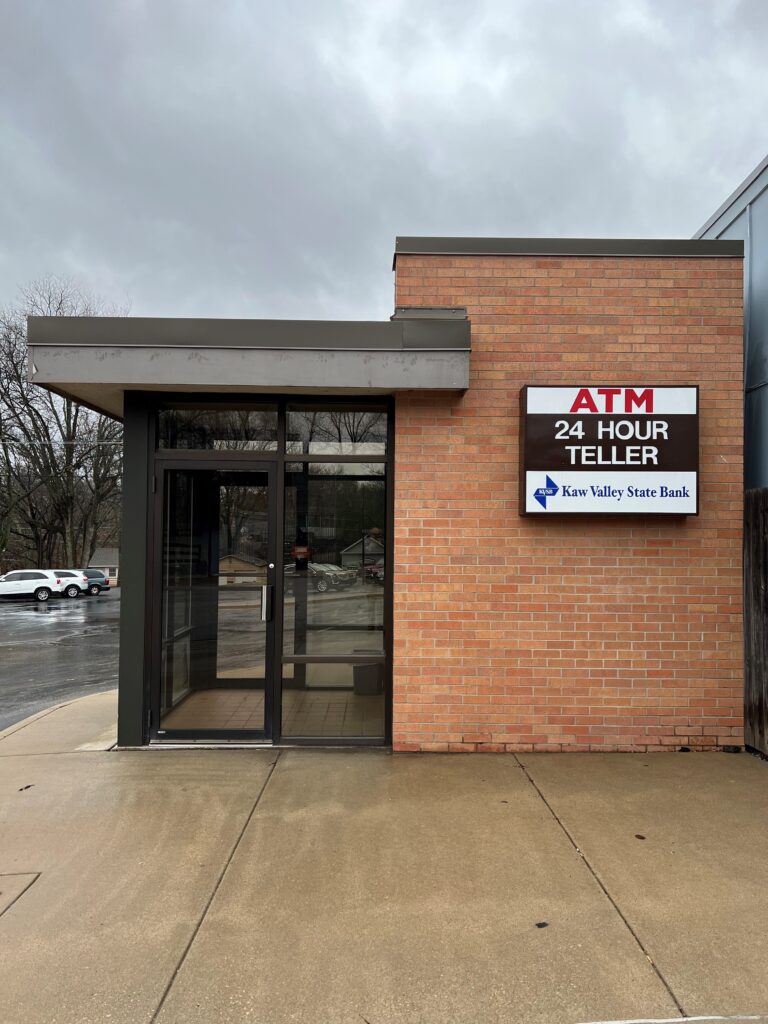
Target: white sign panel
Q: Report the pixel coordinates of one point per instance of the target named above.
(628, 401)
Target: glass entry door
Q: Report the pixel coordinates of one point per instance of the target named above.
(214, 649)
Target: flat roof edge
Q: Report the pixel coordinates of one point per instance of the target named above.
(451, 332)
(617, 247)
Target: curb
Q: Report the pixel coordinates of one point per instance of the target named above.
(18, 726)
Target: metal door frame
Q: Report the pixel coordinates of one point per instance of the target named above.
(214, 462)
(159, 459)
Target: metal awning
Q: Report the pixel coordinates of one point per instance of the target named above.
(95, 360)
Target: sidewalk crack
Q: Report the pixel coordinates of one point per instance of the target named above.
(604, 889)
(33, 877)
(216, 887)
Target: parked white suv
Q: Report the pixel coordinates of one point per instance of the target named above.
(37, 583)
(73, 582)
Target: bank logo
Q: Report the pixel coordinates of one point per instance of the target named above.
(542, 493)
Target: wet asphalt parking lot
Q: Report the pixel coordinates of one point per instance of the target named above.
(55, 652)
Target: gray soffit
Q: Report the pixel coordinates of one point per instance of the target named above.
(638, 247)
(96, 359)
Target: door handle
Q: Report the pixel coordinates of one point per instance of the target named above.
(266, 602)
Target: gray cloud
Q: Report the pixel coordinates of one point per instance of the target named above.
(254, 159)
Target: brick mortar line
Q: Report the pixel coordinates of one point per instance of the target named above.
(209, 902)
(604, 889)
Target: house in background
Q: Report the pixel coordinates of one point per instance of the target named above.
(241, 569)
(107, 560)
(352, 556)
(744, 217)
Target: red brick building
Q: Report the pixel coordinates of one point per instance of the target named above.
(513, 633)
(411, 583)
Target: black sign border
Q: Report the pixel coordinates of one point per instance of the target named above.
(599, 515)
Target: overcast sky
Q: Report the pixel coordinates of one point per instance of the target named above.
(257, 159)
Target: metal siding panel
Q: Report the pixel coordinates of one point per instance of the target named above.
(755, 432)
(756, 635)
(737, 201)
(757, 340)
(133, 569)
(737, 229)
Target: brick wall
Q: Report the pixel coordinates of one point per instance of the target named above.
(570, 634)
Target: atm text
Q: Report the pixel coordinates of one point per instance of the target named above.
(605, 400)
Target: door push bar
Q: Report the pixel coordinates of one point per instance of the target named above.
(266, 602)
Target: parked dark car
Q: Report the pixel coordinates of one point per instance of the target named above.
(321, 576)
(97, 581)
(375, 571)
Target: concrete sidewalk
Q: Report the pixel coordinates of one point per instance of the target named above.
(344, 886)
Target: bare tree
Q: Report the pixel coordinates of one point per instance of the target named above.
(59, 461)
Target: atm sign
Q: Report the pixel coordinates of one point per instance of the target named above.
(610, 450)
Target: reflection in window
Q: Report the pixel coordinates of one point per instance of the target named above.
(243, 525)
(334, 700)
(336, 431)
(334, 547)
(334, 572)
(221, 429)
(361, 470)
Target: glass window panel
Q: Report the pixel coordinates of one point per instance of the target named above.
(243, 550)
(241, 652)
(346, 619)
(326, 469)
(215, 550)
(332, 699)
(220, 429)
(178, 652)
(339, 430)
(243, 528)
(334, 565)
(180, 554)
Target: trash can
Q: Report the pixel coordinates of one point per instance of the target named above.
(368, 678)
